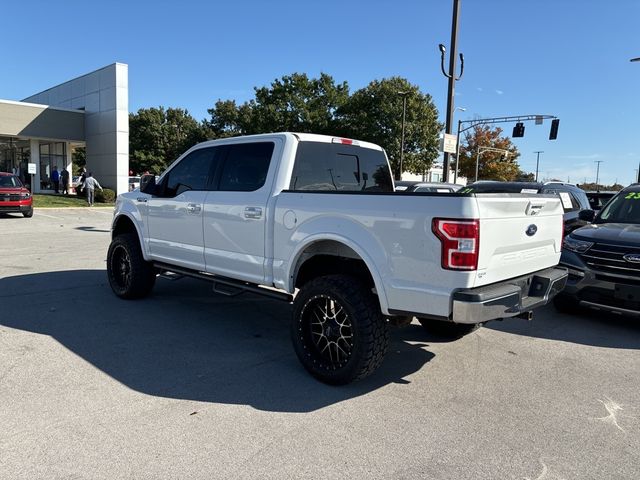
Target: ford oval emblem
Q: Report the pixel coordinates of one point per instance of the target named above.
(632, 257)
(531, 230)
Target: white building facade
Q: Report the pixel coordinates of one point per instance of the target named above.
(90, 111)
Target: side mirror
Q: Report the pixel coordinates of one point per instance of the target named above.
(587, 215)
(148, 184)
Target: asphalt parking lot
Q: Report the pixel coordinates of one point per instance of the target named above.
(191, 384)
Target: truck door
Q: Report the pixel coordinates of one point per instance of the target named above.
(175, 215)
(235, 213)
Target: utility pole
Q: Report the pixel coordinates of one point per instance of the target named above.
(452, 80)
(538, 162)
(404, 116)
(598, 174)
(638, 174)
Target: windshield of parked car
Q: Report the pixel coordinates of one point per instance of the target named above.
(624, 208)
(9, 181)
(501, 187)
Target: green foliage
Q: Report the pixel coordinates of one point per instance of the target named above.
(158, 136)
(294, 103)
(79, 158)
(491, 165)
(106, 195)
(592, 187)
(374, 114)
(319, 105)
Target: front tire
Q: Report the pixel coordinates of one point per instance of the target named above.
(448, 329)
(337, 329)
(130, 276)
(28, 213)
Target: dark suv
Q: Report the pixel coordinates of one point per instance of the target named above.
(604, 258)
(574, 199)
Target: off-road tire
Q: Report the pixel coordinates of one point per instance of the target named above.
(448, 330)
(130, 276)
(357, 322)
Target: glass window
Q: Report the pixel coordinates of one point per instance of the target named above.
(348, 168)
(246, 167)
(192, 172)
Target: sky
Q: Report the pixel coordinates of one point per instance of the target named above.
(566, 58)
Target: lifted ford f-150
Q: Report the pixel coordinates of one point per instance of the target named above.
(314, 220)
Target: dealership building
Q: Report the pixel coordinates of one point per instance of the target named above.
(41, 132)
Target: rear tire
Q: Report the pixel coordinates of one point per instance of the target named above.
(338, 330)
(130, 276)
(448, 329)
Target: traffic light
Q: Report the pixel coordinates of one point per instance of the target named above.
(553, 133)
(518, 130)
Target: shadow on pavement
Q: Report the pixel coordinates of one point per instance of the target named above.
(92, 229)
(186, 342)
(584, 327)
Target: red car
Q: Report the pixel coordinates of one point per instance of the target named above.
(14, 196)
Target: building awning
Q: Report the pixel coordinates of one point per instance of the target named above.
(30, 120)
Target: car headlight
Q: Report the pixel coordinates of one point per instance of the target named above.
(25, 195)
(579, 246)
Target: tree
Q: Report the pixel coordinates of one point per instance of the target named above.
(158, 136)
(492, 165)
(293, 103)
(374, 114)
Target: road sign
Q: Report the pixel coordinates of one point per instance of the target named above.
(449, 143)
(31, 168)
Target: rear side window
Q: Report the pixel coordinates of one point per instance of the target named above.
(246, 166)
(337, 167)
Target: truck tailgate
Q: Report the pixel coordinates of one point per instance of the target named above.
(519, 234)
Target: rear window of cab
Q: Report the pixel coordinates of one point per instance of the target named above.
(338, 167)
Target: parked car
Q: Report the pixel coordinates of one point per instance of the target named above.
(603, 258)
(75, 183)
(597, 200)
(433, 187)
(134, 182)
(14, 196)
(288, 214)
(574, 199)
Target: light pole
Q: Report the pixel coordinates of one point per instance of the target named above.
(455, 172)
(404, 115)
(598, 174)
(487, 149)
(538, 162)
(451, 75)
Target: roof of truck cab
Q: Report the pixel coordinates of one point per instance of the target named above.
(302, 137)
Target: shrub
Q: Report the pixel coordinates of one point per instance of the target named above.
(105, 196)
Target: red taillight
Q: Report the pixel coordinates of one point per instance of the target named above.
(460, 242)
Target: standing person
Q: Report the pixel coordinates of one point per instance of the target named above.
(90, 184)
(64, 179)
(55, 179)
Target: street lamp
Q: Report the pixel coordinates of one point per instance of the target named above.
(598, 173)
(488, 149)
(404, 115)
(455, 172)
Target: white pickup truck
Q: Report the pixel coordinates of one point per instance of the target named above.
(314, 220)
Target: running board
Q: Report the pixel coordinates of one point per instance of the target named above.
(219, 280)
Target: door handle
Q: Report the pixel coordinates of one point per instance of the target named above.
(252, 212)
(193, 208)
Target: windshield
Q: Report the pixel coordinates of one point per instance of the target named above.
(10, 181)
(624, 208)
